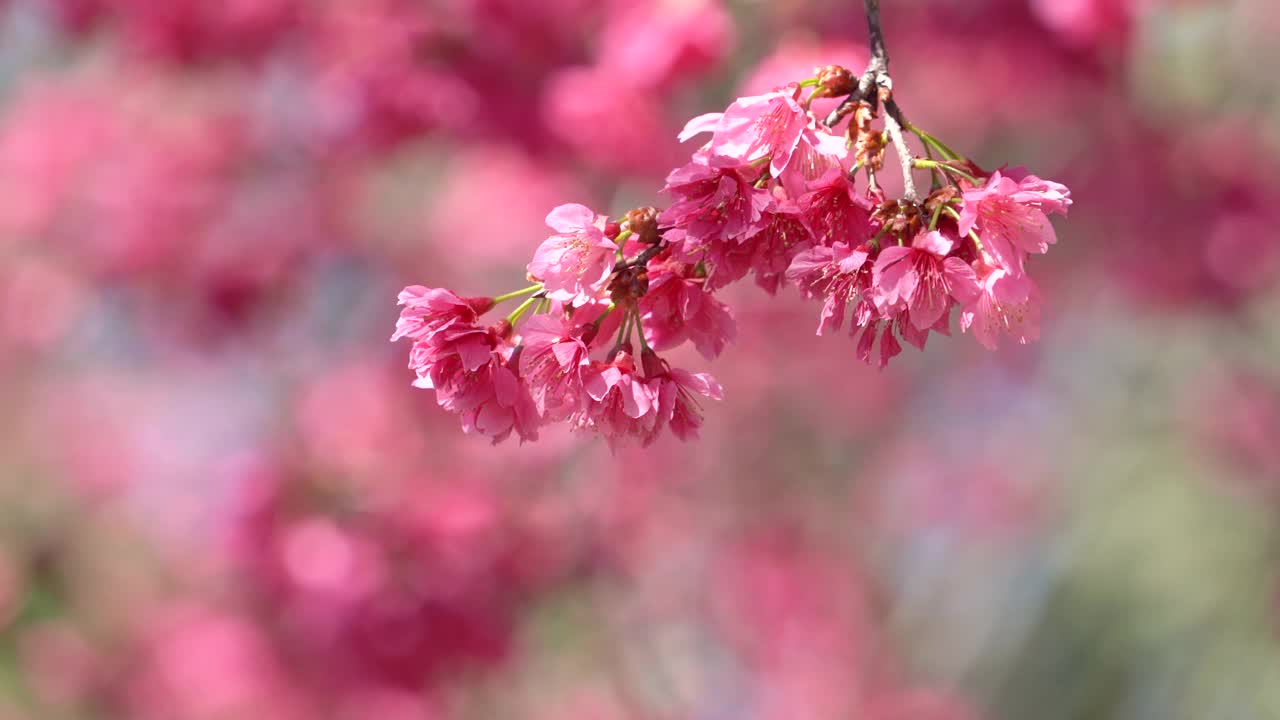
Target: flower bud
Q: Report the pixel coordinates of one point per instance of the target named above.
(643, 222)
(835, 80)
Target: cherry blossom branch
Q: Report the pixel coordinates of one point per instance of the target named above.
(877, 68)
(747, 202)
(876, 77)
(894, 123)
(875, 34)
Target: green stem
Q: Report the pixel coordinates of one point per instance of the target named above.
(622, 332)
(515, 314)
(937, 144)
(621, 242)
(934, 164)
(809, 100)
(517, 293)
(644, 344)
(933, 221)
(973, 235)
(600, 320)
(627, 324)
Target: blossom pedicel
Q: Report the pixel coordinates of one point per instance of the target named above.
(775, 191)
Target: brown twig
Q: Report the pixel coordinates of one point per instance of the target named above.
(874, 86)
(876, 68)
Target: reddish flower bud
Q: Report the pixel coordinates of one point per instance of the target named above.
(612, 230)
(643, 222)
(835, 80)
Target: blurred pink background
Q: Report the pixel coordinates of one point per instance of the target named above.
(221, 499)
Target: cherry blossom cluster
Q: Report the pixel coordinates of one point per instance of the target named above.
(773, 193)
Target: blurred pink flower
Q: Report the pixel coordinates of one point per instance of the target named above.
(580, 108)
(657, 44)
(1089, 22)
(190, 30)
(201, 664)
(480, 240)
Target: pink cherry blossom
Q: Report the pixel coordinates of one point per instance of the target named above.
(1006, 303)
(782, 237)
(834, 273)
(552, 359)
(778, 235)
(714, 200)
(772, 125)
(618, 403)
(922, 279)
(676, 308)
(1011, 217)
(489, 398)
(796, 56)
(466, 365)
(574, 264)
(676, 392)
(469, 342)
(428, 311)
(835, 211)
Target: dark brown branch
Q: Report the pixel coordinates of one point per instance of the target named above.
(877, 68)
(875, 34)
(875, 86)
